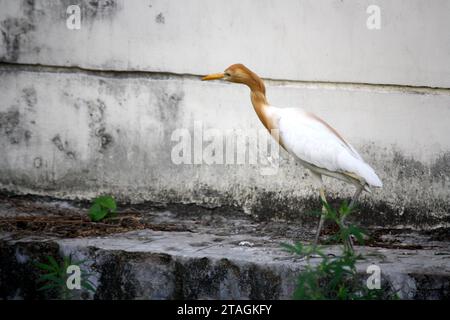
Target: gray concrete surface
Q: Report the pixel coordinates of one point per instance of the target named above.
(213, 255)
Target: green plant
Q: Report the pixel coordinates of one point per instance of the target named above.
(345, 232)
(102, 207)
(54, 276)
(333, 277)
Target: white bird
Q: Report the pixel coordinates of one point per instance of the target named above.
(312, 141)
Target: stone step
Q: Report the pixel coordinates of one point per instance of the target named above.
(195, 253)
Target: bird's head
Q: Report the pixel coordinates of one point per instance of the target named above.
(239, 73)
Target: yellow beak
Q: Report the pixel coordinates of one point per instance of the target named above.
(213, 76)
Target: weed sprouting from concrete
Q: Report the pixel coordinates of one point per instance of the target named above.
(102, 207)
(63, 277)
(334, 277)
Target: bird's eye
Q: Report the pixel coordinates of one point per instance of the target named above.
(227, 74)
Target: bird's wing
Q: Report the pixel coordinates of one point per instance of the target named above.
(314, 141)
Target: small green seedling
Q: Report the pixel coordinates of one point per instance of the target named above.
(54, 276)
(103, 207)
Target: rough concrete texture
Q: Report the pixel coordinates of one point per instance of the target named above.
(75, 134)
(296, 40)
(92, 111)
(215, 255)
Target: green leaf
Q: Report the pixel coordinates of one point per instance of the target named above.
(102, 207)
(47, 277)
(344, 207)
(67, 262)
(342, 293)
(96, 213)
(357, 232)
(86, 284)
(106, 202)
(44, 266)
(53, 263)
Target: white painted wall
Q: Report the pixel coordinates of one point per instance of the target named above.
(74, 133)
(312, 40)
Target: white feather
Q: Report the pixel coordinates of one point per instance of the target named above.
(313, 142)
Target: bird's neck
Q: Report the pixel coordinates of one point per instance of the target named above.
(259, 100)
(261, 105)
(262, 108)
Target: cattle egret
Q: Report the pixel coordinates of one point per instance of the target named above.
(312, 141)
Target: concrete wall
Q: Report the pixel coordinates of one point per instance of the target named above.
(93, 110)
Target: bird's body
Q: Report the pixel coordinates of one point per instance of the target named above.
(318, 147)
(312, 141)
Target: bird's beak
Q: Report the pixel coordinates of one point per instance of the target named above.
(213, 76)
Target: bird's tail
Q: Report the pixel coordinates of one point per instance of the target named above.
(368, 174)
(364, 173)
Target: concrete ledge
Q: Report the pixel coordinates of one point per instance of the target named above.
(163, 265)
(222, 256)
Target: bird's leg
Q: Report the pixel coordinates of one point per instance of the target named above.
(353, 201)
(349, 242)
(322, 216)
(355, 196)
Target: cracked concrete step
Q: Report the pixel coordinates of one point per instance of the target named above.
(150, 264)
(205, 254)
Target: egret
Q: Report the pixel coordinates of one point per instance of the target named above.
(309, 139)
